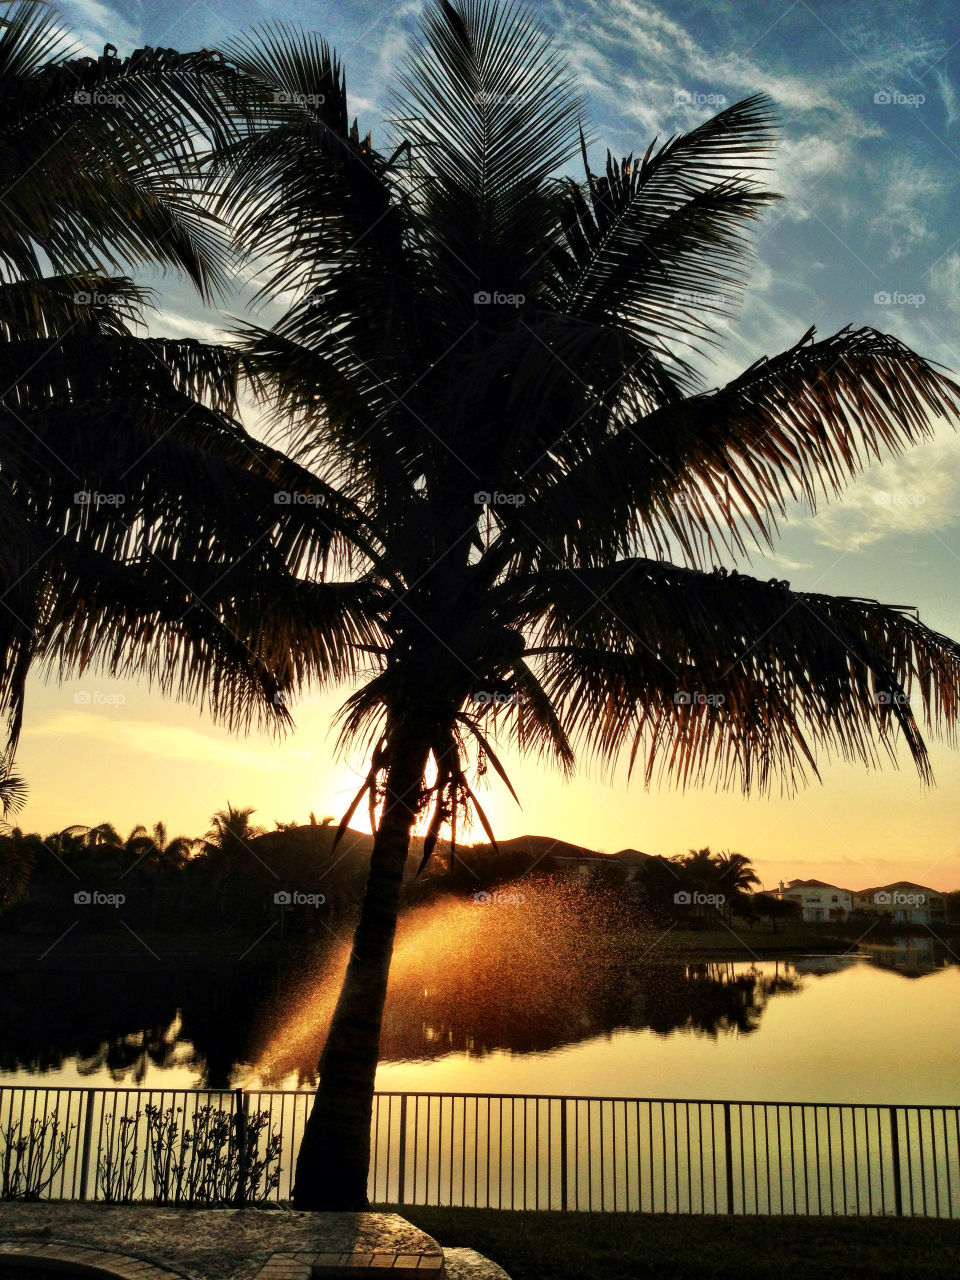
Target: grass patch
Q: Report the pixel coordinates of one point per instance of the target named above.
(613, 1246)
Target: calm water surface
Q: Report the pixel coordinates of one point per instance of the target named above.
(877, 1027)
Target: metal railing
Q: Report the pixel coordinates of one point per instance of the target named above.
(650, 1155)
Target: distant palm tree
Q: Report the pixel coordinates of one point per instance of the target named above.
(736, 872)
(736, 879)
(494, 366)
(17, 852)
(158, 848)
(13, 794)
(231, 829)
(104, 834)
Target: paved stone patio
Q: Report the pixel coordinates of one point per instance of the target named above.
(146, 1242)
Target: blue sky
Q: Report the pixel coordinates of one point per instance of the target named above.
(867, 234)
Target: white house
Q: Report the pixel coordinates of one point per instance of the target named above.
(819, 901)
(903, 902)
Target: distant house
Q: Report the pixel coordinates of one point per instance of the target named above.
(818, 901)
(904, 902)
(584, 866)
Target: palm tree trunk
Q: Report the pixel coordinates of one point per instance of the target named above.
(334, 1156)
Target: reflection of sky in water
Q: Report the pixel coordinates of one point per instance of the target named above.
(541, 999)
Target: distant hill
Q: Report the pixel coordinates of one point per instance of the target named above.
(304, 856)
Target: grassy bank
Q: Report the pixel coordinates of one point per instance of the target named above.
(613, 1246)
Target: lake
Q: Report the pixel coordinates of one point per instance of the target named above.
(508, 1016)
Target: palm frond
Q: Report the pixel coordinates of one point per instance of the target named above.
(718, 677)
(702, 474)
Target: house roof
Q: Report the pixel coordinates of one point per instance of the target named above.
(907, 886)
(814, 884)
(632, 856)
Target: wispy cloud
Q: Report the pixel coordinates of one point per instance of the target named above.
(915, 494)
(94, 24)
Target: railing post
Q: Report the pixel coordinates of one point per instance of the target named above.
(728, 1150)
(402, 1165)
(895, 1150)
(563, 1154)
(240, 1128)
(85, 1146)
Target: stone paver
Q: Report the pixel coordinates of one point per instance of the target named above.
(467, 1264)
(112, 1265)
(350, 1266)
(149, 1242)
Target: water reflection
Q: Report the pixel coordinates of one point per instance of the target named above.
(468, 979)
(913, 957)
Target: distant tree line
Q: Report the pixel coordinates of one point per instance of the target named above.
(235, 874)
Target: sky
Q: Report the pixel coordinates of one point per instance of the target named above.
(869, 166)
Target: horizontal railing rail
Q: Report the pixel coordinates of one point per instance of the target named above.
(541, 1151)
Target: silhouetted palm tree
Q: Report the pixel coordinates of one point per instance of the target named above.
(17, 852)
(231, 829)
(158, 849)
(124, 476)
(736, 879)
(494, 366)
(736, 872)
